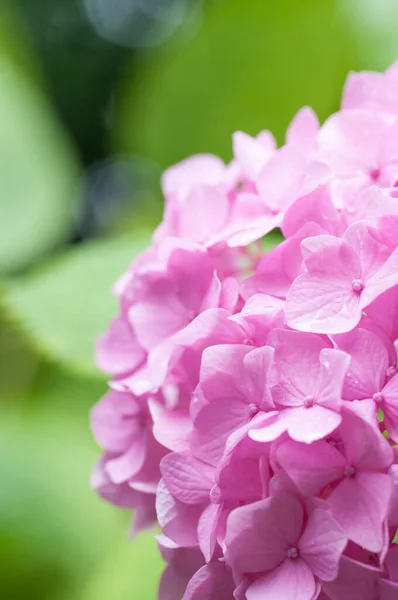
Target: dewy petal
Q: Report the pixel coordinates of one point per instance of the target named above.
(260, 534)
(322, 544)
(291, 580)
(187, 478)
(322, 304)
(323, 300)
(360, 505)
(385, 278)
(310, 424)
(368, 364)
(334, 364)
(311, 467)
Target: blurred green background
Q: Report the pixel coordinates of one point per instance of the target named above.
(96, 98)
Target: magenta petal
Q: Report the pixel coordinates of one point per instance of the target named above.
(187, 478)
(211, 582)
(355, 581)
(311, 467)
(291, 580)
(207, 530)
(360, 505)
(260, 534)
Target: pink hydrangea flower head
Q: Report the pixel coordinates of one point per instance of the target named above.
(252, 410)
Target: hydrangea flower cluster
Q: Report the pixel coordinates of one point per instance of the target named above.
(253, 405)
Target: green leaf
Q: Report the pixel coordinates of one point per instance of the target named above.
(54, 530)
(66, 303)
(38, 172)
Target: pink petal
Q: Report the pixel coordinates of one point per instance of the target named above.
(368, 365)
(316, 207)
(187, 478)
(360, 506)
(251, 153)
(126, 465)
(354, 582)
(281, 179)
(260, 534)
(207, 530)
(390, 407)
(204, 214)
(211, 582)
(202, 168)
(371, 253)
(117, 351)
(388, 590)
(364, 445)
(296, 359)
(303, 130)
(178, 521)
(322, 545)
(311, 467)
(310, 424)
(385, 278)
(292, 579)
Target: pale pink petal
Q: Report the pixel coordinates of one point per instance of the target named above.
(322, 304)
(322, 545)
(125, 466)
(251, 153)
(385, 278)
(371, 254)
(204, 214)
(303, 130)
(202, 168)
(291, 580)
(280, 181)
(117, 351)
(316, 207)
(310, 424)
(296, 359)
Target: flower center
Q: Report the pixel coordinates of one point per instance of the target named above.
(252, 409)
(309, 401)
(378, 397)
(374, 174)
(357, 285)
(292, 552)
(349, 471)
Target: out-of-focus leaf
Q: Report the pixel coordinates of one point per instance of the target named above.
(53, 528)
(249, 67)
(130, 570)
(66, 303)
(38, 172)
